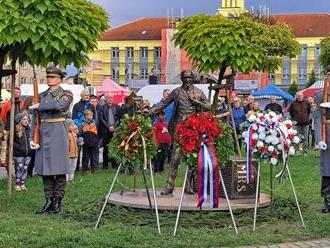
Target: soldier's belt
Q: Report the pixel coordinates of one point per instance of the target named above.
(53, 120)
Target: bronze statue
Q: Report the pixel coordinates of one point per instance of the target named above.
(187, 99)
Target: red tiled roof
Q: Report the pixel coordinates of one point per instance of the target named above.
(306, 25)
(141, 29)
(303, 25)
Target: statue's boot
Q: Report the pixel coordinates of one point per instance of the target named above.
(189, 189)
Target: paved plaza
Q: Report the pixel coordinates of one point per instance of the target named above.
(323, 243)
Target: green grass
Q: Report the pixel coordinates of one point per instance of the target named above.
(123, 227)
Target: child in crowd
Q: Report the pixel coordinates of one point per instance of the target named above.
(22, 150)
(73, 148)
(91, 142)
(163, 141)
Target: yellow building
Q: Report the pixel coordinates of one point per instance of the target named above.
(132, 52)
(128, 53)
(308, 29)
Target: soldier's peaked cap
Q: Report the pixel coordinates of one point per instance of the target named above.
(53, 71)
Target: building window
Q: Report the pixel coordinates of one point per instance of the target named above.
(115, 73)
(129, 52)
(114, 52)
(158, 52)
(24, 80)
(24, 65)
(144, 73)
(271, 76)
(285, 73)
(129, 71)
(317, 51)
(302, 73)
(144, 52)
(304, 51)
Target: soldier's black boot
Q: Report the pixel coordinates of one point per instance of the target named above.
(47, 206)
(326, 208)
(56, 206)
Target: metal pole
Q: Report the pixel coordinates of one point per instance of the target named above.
(181, 199)
(295, 197)
(147, 190)
(108, 196)
(228, 203)
(272, 190)
(257, 198)
(155, 198)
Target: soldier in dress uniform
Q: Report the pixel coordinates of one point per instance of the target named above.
(187, 99)
(52, 158)
(322, 140)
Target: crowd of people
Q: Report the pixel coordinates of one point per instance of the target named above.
(92, 122)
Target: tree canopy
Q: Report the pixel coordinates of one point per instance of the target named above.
(43, 31)
(325, 52)
(243, 43)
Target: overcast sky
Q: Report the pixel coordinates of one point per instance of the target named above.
(122, 11)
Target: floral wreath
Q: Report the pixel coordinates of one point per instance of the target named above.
(133, 143)
(191, 132)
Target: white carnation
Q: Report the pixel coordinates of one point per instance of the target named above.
(296, 140)
(254, 136)
(271, 148)
(262, 136)
(292, 151)
(273, 161)
(279, 147)
(252, 118)
(275, 140)
(260, 144)
(268, 139)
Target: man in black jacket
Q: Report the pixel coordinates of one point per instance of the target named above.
(109, 119)
(274, 106)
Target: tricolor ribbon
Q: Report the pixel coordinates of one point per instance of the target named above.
(208, 171)
(249, 148)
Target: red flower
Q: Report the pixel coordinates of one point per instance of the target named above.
(288, 126)
(274, 154)
(291, 136)
(262, 118)
(149, 135)
(263, 149)
(133, 126)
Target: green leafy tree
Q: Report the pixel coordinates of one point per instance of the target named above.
(43, 31)
(293, 88)
(325, 52)
(214, 43)
(312, 79)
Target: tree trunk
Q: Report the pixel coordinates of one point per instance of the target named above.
(11, 131)
(216, 93)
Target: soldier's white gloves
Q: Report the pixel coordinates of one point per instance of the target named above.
(34, 146)
(34, 106)
(325, 104)
(321, 146)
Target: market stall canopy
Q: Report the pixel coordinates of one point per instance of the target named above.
(272, 90)
(313, 89)
(117, 92)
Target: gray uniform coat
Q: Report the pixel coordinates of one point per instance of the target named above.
(52, 158)
(325, 154)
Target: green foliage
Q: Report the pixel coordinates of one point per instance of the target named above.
(243, 43)
(43, 31)
(126, 146)
(293, 88)
(225, 145)
(325, 52)
(312, 79)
